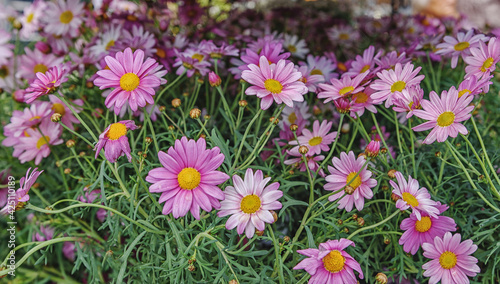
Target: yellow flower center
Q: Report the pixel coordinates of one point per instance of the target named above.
(4, 71)
(292, 118)
(398, 86)
(446, 119)
(463, 92)
(198, 57)
(29, 18)
(344, 36)
(187, 65)
(410, 104)
(59, 108)
(363, 70)
(356, 182)
(334, 261)
(35, 117)
(410, 199)
(189, 178)
(42, 141)
(487, 64)
(346, 90)
(66, 17)
(129, 81)
(360, 98)
(423, 225)
(40, 68)
(273, 86)
(110, 44)
(316, 72)
(292, 48)
(315, 141)
(448, 260)
(461, 46)
(250, 204)
(116, 130)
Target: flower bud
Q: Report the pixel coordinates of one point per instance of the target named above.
(275, 216)
(203, 136)
(394, 197)
(303, 150)
(214, 79)
(437, 154)
(195, 113)
(171, 127)
(372, 149)
(70, 143)
(286, 239)
(387, 241)
(191, 268)
(392, 173)
(18, 96)
(242, 103)
(349, 190)
(355, 216)
(259, 233)
(381, 278)
(89, 84)
(200, 80)
(316, 110)
(345, 128)
(206, 117)
(148, 140)
(162, 108)
(274, 120)
(67, 171)
(383, 150)
(294, 127)
(361, 221)
(56, 117)
(176, 103)
(43, 47)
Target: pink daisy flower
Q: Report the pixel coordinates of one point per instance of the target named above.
(408, 100)
(135, 38)
(271, 51)
(6, 48)
(444, 115)
(298, 161)
(249, 203)
(394, 81)
(424, 230)
(459, 46)
(188, 179)
(362, 101)
(320, 65)
(45, 233)
(64, 17)
(46, 83)
(364, 63)
(22, 196)
(21, 121)
(330, 264)
(414, 197)
(296, 46)
(311, 81)
(35, 146)
(451, 260)
(390, 60)
(133, 78)
(317, 140)
(67, 116)
(7, 78)
(192, 63)
(295, 115)
(473, 86)
(35, 61)
(274, 82)
(343, 172)
(342, 88)
(31, 19)
(114, 141)
(483, 60)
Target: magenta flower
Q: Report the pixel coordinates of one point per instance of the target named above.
(67, 116)
(483, 60)
(390, 60)
(317, 140)
(372, 149)
(408, 100)
(249, 203)
(270, 50)
(451, 260)
(214, 79)
(473, 86)
(459, 46)
(35, 145)
(188, 179)
(364, 63)
(192, 62)
(414, 197)
(44, 234)
(298, 161)
(444, 115)
(330, 264)
(425, 230)
(46, 83)
(64, 17)
(133, 78)
(342, 88)
(344, 172)
(278, 82)
(114, 141)
(35, 61)
(394, 81)
(22, 196)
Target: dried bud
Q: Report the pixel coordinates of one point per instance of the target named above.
(70, 143)
(383, 150)
(203, 136)
(89, 84)
(275, 216)
(294, 127)
(361, 221)
(214, 79)
(349, 190)
(340, 222)
(394, 197)
(81, 154)
(345, 128)
(354, 216)
(316, 110)
(195, 113)
(176, 103)
(381, 278)
(206, 117)
(191, 268)
(259, 233)
(162, 108)
(274, 120)
(437, 154)
(233, 282)
(286, 239)
(56, 117)
(67, 171)
(372, 149)
(242, 103)
(148, 140)
(387, 241)
(385, 187)
(392, 173)
(303, 150)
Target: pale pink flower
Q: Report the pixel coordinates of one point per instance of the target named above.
(114, 140)
(459, 46)
(317, 140)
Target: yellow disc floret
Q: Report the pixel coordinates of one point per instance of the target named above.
(315, 141)
(250, 204)
(448, 260)
(129, 81)
(446, 119)
(189, 178)
(59, 108)
(42, 141)
(116, 130)
(66, 17)
(461, 46)
(334, 261)
(273, 86)
(356, 182)
(346, 90)
(423, 225)
(398, 86)
(410, 199)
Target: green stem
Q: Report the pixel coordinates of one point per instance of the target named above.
(60, 96)
(381, 136)
(374, 225)
(479, 137)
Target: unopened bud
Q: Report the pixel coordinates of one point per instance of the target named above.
(56, 117)
(354, 216)
(361, 221)
(392, 173)
(294, 127)
(89, 84)
(70, 143)
(200, 80)
(274, 120)
(171, 127)
(395, 197)
(275, 216)
(259, 233)
(233, 282)
(176, 103)
(43, 47)
(349, 190)
(214, 79)
(195, 113)
(67, 171)
(345, 128)
(303, 150)
(372, 149)
(383, 150)
(385, 187)
(381, 278)
(191, 268)
(286, 239)
(109, 253)
(206, 117)
(162, 108)
(437, 154)
(148, 140)
(340, 222)
(81, 154)
(242, 103)
(387, 241)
